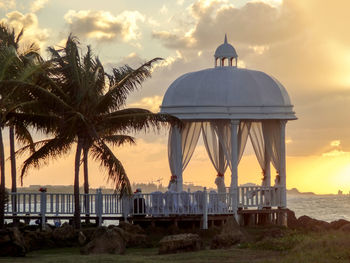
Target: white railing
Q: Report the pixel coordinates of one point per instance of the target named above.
(259, 196)
(153, 204)
(184, 203)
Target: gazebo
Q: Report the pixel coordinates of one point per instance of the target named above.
(228, 105)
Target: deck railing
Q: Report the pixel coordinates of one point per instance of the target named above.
(153, 204)
(259, 196)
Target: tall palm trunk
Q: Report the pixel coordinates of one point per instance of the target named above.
(2, 183)
(13, 168)
(86, 183)
(77, 222)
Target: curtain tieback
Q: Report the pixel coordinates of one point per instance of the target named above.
(173, 178)
(220, 175)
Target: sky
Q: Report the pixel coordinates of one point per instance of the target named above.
(305, 44)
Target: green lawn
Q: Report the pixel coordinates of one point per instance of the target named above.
(149, 255)
(293, 248)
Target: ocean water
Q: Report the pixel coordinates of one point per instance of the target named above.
(323, 207)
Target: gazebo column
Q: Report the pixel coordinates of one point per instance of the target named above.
(282, 172)
(267, 181)
(179, 181)
(234, 165)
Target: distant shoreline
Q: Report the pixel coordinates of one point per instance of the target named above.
(147, 188)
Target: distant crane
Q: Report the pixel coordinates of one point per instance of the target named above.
(158, 181)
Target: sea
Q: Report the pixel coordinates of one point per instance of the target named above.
(323, 207)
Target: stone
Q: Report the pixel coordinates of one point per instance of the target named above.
(81, 238)
(292, 221)
(12, 243)
(230, 235)
(106, 240)
(339, 223)
(311, 224)
(35, 240)
(345, 228)
(180, 243)
(130, 228)
(65, 235)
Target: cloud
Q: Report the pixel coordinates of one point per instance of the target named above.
(7, 4)
(104, 26)
(38, 5)
(301, 43)
(29, 22)
(164, 10)
(150, 103)
(335, 143)
(335, 153)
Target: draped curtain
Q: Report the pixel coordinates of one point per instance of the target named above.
(242, 136)
(272, 135)
(257, 137)
(211, 132)
(189, 137)
(221, 129)
(213, 145)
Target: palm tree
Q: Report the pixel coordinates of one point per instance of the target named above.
(86, 106)
(19, 68)
(19, 61)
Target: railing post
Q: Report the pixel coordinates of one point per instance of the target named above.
(205, 209)
(43, 209)
(126, 206)
(99, 206)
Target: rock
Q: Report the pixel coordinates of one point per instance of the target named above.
(81, 238)
(180, 243)
(89, 233)
(130, 228)
(65, 235)
(345, 228)
(339, 223)
(230, 235)
(106, 240)
(292, 221)
(312, 224)
(35, 240)
(12, 243)
(134, 235)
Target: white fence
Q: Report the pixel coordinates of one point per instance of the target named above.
(259, 196)
(153, 204)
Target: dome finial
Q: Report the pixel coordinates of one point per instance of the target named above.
(225, 52)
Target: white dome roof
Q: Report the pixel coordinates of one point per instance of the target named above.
(225, 50)
(227, 93)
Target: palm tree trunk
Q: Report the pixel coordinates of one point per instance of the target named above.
(86, 184)
(2, 182)
(13, 169)
(76, 186)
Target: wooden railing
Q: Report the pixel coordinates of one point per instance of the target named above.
(259, 196)
(153, 204)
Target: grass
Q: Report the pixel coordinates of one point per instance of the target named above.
(327, 247)
(149, 255)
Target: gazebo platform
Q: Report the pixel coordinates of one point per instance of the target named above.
(257, 205)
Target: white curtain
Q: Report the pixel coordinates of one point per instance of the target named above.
(272, 134)
(214, 146)
(211, 132)
(189, 137)
(224, 135)
(256, 136)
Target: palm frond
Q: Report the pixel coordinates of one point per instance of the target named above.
(116, 172)
(53, 149)
(118, 140)
(122, 82)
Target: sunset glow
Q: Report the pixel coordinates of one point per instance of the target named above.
(304, 44)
